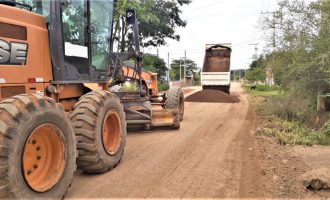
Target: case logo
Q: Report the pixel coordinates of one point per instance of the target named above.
(13, 53)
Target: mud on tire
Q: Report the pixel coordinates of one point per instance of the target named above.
(175, 100)
(20, 117)
(96, 113)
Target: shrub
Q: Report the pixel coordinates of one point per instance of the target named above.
(163, 86)
(327, 128)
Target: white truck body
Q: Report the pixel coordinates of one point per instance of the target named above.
(215, 78)
(216, 68)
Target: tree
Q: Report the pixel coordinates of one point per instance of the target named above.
(302, 51)
(155, 64)
(301, 57)
(158, 21)
(191, 69)
(260, 62)
(256, 74)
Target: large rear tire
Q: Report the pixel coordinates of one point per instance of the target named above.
(175, 100)
(38, 152)
(100, 128)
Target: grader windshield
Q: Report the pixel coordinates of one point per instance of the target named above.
(86, 33)
(36, 6)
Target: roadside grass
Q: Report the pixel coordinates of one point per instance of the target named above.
(293, 133)
(262, 93)
(265, 93)
(284, 117)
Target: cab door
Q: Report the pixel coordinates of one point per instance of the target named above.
(76, 39)
(80, 43)
(101, 16)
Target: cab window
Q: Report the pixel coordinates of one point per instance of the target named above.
(41, 7)
(75, 36)
(101, 15)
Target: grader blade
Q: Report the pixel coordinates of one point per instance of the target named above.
(165, 117)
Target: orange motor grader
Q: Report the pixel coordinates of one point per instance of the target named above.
(56, 111)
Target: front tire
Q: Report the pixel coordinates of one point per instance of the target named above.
(100, 128)
(38, 153)
(175, 100)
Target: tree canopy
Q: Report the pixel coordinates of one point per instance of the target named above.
(155, 64)
(301, 58)
(256, 74)
(191, 69)
(158, 21)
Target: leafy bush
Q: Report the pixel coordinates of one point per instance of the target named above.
(162, 86)
(327, 128)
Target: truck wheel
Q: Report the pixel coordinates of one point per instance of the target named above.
(100, 128)
(37, 149)
(175, 100)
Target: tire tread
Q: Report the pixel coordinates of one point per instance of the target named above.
(84, 120)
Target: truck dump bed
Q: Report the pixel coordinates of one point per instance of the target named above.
(216, 68)
(217, 59)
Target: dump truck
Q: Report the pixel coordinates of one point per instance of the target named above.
(216, 68)
(56, 109)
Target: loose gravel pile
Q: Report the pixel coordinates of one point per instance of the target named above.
(212, 96)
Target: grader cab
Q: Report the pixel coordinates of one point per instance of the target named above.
(56, 110)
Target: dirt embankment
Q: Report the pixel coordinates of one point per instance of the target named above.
(212, 96)
(282, 171)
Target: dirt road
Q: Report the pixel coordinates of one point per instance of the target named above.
(204, 159)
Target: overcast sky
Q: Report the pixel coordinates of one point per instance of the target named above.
(219, 21)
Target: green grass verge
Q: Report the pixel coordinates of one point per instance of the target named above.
(265, 93)
(256, 92)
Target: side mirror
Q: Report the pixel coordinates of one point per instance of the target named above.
(130, 16)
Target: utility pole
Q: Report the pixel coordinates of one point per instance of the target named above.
(255, 49)
(184, 66)
(273, 27)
